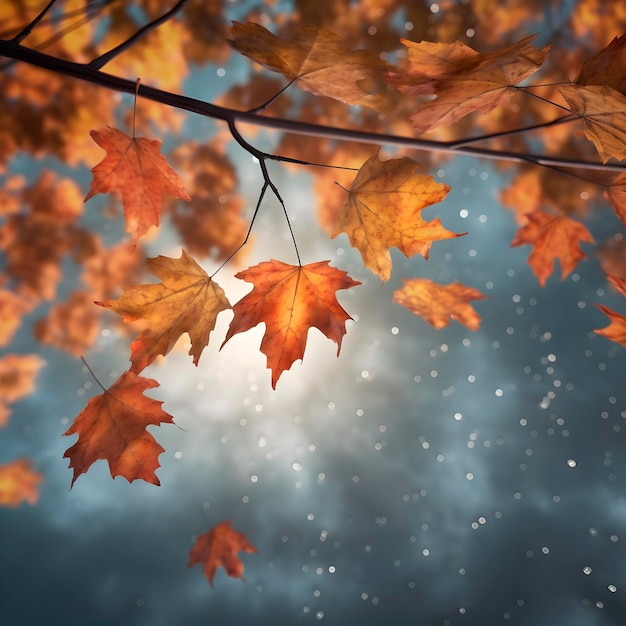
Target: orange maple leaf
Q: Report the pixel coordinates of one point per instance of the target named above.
(18, 483)
(113, 427)
(219, 547)
(463, 79)
(603, 111)
(438, 304)
(135, 168)
(383, 210)
(17, 380)
(616, 330)
(186, 300)
(290, 299)
(315, 59)
(552, 237)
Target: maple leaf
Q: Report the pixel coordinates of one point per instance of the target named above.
(603, 111)
(219, 547)
(135, 168)
(290, 299)
(18, 483)
(463, 79)
(17, 380)
(438, 304)
(315, 59)
(606, 67)
(616, 330)
(113, 427)
(552, 237)
(383, 208)
(186, 300)
(615, 193)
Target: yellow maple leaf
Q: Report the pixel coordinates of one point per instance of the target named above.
(186, 300)
(603, 111)
(383, 210)
(438, 304)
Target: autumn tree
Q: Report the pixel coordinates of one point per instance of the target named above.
(348, 93)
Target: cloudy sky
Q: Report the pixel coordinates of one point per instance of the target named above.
(426, 477)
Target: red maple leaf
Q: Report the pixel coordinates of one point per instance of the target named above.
(219, 547)
(113, 427)
(135, 168)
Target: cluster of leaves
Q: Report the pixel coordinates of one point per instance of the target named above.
(359, 94)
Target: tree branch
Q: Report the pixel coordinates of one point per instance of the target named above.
(89, 74)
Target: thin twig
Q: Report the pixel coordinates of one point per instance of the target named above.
(103, 59)
(245, 241)
(262, 158)
(27, 31)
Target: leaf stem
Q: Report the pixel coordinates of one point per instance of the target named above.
(515, 131)
(135, 104)
(82, 358)
(273, 99)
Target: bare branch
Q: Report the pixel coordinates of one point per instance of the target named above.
(103, 59)
(27, 31)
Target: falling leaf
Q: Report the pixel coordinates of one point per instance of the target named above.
(219, 547)
(615, 193)
(552, 237)
(290, 299)
(616, 330)
(19, 482)
(113, 427)
(315, 59)
(186, 300)
(383, 210)
(438, 304)
(603, 111)
(135, 168)
(463, 80)
(17, 380)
